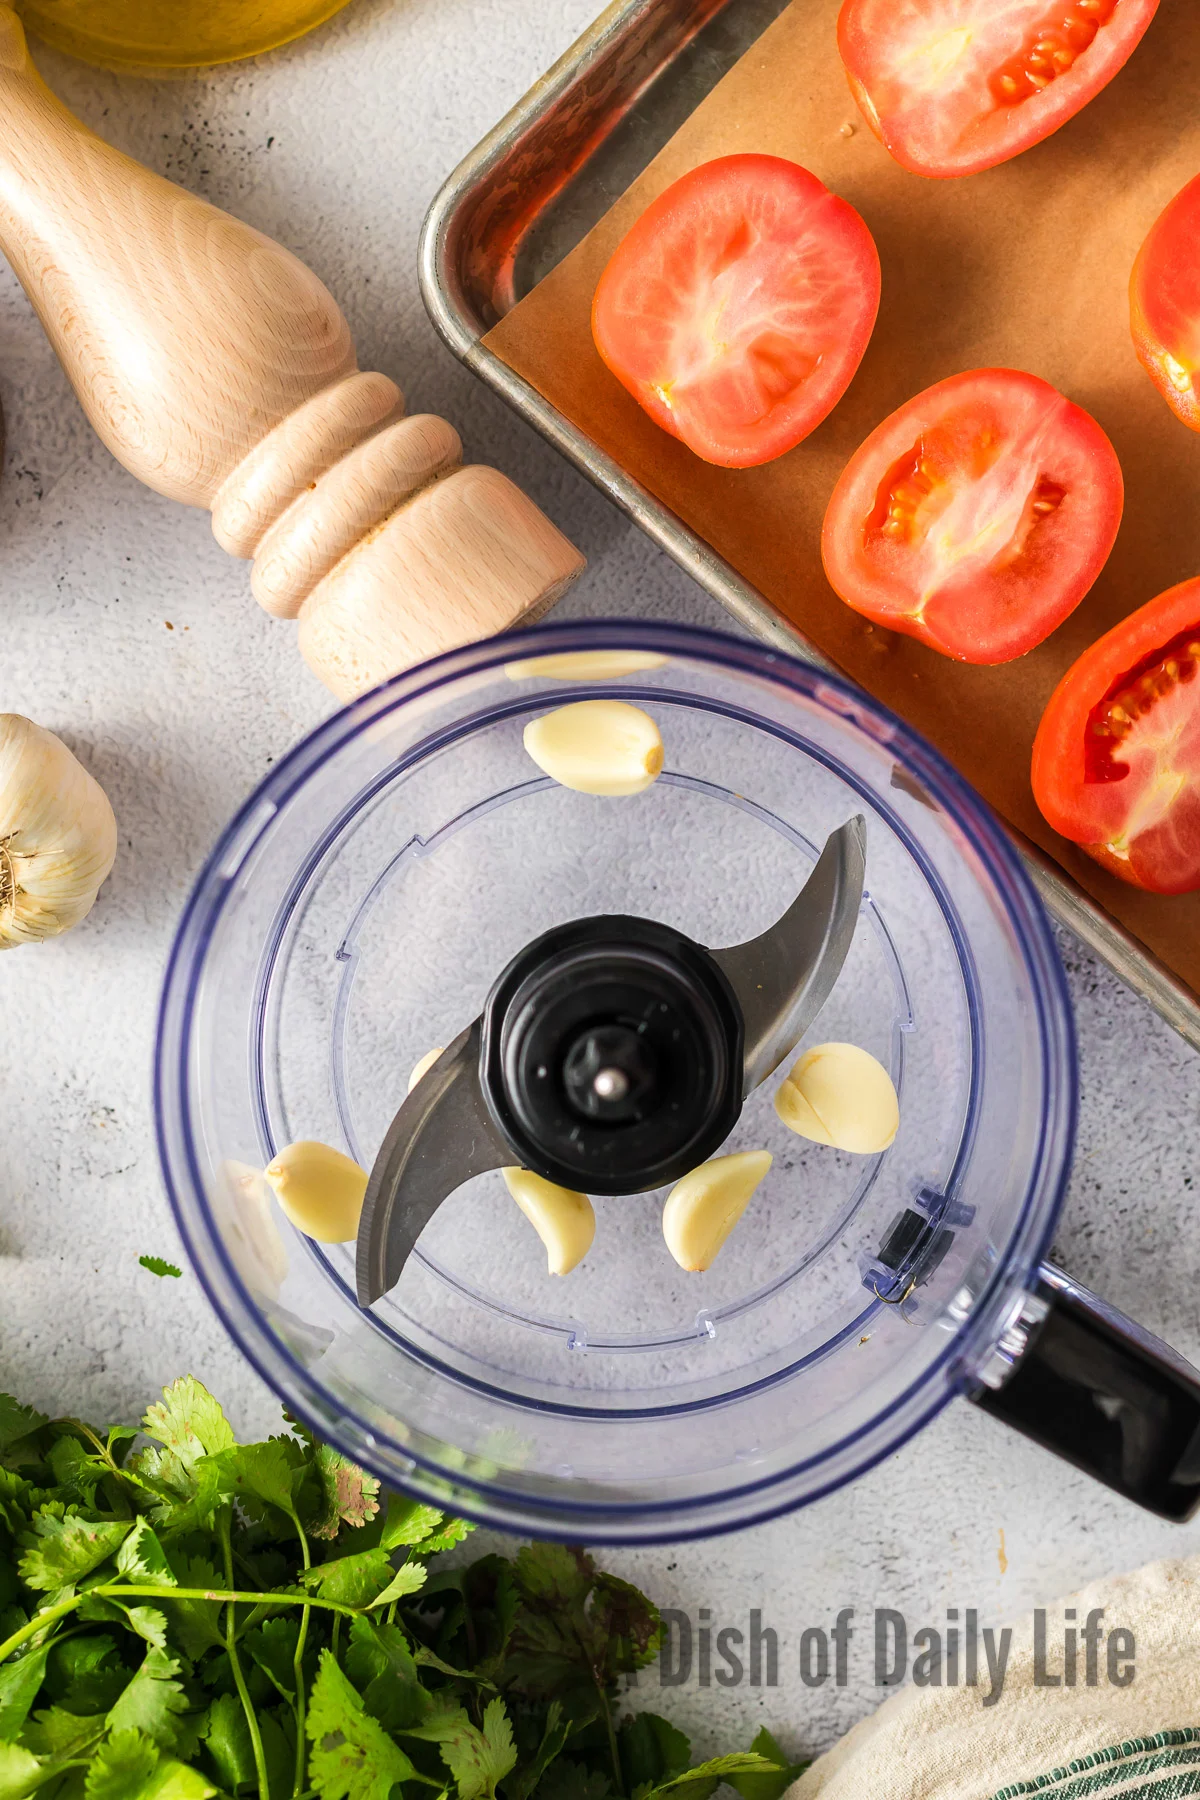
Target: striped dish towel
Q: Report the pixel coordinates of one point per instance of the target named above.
(1137, 1742)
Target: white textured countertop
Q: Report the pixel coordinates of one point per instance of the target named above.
(127, 630)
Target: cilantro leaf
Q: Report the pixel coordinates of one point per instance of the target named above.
(651, 1750)
(76, 1472)
(158, 1266)
(273, 1647)
(188, 1422)
(555, 1734)
(63, 1547)
(16, 1423)
(265, 1478)
(353, 1580)
(58, 1735)
(129, 1767)
(142, 1558)
(153, 1701)
(352, 1757)
(578, 1629)
(408, 1522)
(227, 1735)
(409, 1578)
(706, 1778)
(146, 1621)
(768, 1784)
(185, 1473)
(84, 1674)
(348, 1496)
(19, 1684)
(476, 1759)
(20, 1772)
(381, 1665)
(195, 1623)
(571, 1781)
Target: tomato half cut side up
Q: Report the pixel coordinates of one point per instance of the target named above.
(1116, 761)
(976, 517)
(1164, 302)
(951, 87)
(739, 306)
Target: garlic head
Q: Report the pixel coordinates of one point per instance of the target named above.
(58, 836)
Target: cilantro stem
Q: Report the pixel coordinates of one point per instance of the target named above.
(235, 1662)
(614, 1753)
(298, 1668)
(119, 1590)
(38, 1623)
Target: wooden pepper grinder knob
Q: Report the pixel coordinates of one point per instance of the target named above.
(220, 371)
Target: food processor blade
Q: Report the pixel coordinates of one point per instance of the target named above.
(441, 1137)
(494, 1099)
(783, 978)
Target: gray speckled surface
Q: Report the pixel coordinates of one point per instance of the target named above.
(336, 146)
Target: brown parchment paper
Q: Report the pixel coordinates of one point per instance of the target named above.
(1026, 266)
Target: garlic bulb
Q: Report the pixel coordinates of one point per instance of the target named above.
(58, 836)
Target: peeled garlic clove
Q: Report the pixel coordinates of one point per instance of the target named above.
(242, 1207)
(585, 665)
(838, 1094)
(423, 1067)
(563, 1219)
(597, 747)
(704, 1207)
(320, 1190)
(58, 836)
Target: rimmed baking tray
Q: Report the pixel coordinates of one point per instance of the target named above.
(531, 191)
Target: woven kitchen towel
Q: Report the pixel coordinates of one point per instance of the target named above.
(1140, 1742)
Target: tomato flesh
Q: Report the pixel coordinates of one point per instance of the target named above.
(739, 306)
(1116, 761)
(976, 517)
(1164, 298)
(955, 86)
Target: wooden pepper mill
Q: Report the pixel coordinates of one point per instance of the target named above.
(220, 372)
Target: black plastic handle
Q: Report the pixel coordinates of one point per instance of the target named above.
(1078, 1377)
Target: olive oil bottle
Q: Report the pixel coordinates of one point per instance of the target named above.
(170, 34)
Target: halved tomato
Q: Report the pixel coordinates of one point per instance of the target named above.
(1164, 299)
(1116, 761)
(955, 86)
(738, 307)
(976, 517)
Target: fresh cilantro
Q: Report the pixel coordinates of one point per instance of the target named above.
(129, 1767)
(158, 1266)
(351, 1580)
(199, 1617)
(20, 1683)
(153, 1700)
(64, 1547)
(770, 1783)
(348, 1496)
(353, 1758)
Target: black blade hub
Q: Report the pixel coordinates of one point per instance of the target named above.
(612, 1055)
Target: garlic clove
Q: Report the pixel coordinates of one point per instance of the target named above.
(597, 747)
(242, 1208)
(704, 1207)
(585, 665)
(320, 1190)
(840, 1095)
(58, 836)
(423, 1067)
(564, 1220)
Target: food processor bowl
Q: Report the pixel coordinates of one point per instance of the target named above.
(355, 914)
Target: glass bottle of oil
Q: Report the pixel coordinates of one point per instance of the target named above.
(170, 34)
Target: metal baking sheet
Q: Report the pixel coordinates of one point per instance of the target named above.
(531, 191)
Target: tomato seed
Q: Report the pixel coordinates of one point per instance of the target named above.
(1051, 50)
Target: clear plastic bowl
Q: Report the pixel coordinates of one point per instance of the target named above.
(354, 915)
